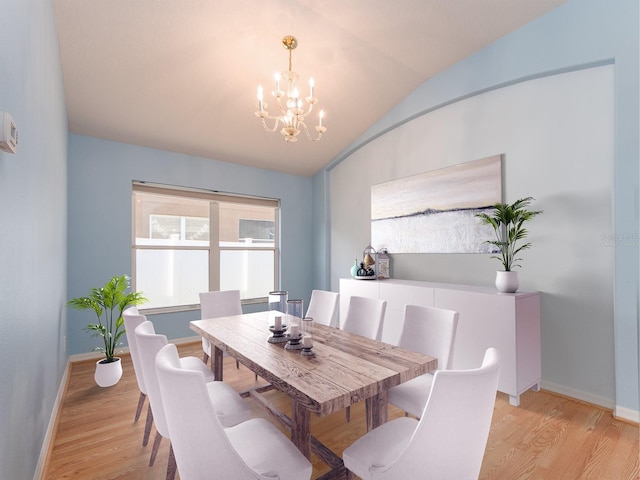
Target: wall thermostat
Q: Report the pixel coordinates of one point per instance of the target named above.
(8, 133)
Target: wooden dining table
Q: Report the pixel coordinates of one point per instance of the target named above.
(344, 369)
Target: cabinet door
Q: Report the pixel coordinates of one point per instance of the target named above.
(397, 296)
(485, 320)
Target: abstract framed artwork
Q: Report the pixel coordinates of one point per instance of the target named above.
(434, 212)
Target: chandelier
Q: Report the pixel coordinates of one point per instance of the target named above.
(292, 111)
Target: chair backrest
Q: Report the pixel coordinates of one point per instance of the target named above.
(365, 317)
(451, 436)
(132, 310)
(220, 304)
(149, 344)
(323, 307)
(431, 331)
(199, 442)
(131, 320)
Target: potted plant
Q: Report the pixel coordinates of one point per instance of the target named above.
(508, 222)
(108, 303)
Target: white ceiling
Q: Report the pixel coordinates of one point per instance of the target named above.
(181, 75)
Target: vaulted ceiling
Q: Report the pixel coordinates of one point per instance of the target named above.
(181, 75)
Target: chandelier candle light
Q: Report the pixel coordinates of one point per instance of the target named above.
(294, 319)
(277, 309)
(292, 112)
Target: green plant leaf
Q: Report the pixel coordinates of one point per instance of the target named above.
(507, 221)
(108, 302)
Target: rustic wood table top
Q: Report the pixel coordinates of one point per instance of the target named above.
(345, 369)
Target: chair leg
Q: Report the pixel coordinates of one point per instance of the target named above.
(171, 466)
(348, 414)
(140, 404)
(154, 450)
(147, 426)
(205, 357)
(237, 364)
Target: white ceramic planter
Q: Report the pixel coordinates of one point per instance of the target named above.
(507, 282)
(108, 374)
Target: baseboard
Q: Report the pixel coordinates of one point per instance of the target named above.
(627, 414)
(80, 357)
(53, 425)
(185, 340)
(579, 395)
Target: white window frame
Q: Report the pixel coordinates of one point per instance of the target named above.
(214, 248)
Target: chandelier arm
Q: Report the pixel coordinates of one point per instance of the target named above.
(275, 124)
(303, 115)
(306, 131)
(281, 107)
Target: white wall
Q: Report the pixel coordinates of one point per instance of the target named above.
(556, 134)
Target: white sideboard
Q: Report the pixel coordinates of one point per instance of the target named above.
(509, 322)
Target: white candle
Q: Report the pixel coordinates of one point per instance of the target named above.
(307, 341)
(260, 97)
(295, 331)
(311, 84)
(277, 78)
(278, 322)
(321, 116)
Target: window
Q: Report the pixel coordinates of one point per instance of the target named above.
(189, 241)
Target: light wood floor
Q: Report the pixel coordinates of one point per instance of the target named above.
(547, 437)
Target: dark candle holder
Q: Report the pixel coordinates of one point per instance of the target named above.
(278, 335)
(293, 343)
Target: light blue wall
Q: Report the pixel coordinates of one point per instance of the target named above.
(321, 232)
(579, 34)
(33, 239)
(100, 177)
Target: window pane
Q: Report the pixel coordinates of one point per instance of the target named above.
(167, 220)
(249, 271)
(172, 277)
(258, 230)
(247, 225)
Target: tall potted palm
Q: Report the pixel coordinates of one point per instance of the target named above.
(108, 303)
(508, 222)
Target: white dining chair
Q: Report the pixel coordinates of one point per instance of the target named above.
(430, 331)
(218, 304)
(132, 319)
(227, 404)
(449, 440)
(323, 307)
(365, 317)
(254, 449)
